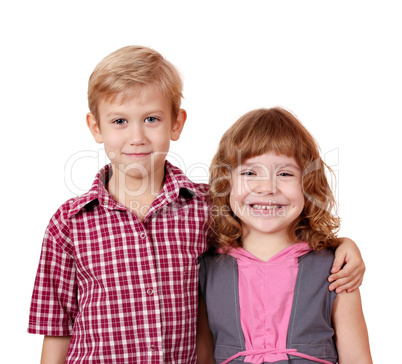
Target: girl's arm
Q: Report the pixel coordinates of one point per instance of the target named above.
(54, 350)
(351, 335)
(348, 268)
(205, 344)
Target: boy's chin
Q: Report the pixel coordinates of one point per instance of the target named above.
(140, 169)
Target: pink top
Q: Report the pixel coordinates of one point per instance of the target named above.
(266, 295)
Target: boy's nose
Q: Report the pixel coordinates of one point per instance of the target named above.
(137, 134)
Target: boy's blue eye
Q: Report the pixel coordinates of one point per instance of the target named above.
(120, 121)
(150, 119)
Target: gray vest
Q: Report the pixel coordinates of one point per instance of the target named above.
(310, 328)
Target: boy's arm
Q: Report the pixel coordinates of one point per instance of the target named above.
(205, 345)
(351, 335)
(54, 303)
(54, 350)
(348, 268)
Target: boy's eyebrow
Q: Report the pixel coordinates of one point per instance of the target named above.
(122, 112)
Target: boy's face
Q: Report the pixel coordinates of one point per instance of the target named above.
(136, 131)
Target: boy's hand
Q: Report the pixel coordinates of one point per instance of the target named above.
(348, 268)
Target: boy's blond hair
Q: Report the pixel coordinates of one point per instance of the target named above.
(128, 69)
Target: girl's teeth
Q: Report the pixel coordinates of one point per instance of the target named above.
(266, 207)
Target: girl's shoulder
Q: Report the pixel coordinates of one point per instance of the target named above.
(321, 255)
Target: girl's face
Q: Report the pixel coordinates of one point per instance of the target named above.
(266, 194)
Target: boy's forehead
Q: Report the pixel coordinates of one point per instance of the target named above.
(138, 92)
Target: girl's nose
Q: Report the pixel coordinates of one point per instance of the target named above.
(267, 185)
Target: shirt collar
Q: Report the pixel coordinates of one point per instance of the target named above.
(97, 192)
(175, 183)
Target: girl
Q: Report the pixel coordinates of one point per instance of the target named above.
(265, 289)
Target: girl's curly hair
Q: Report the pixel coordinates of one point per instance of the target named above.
(256, 133)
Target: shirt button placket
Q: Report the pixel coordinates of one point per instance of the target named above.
(154, 356)
(153, 349)
(150, 291)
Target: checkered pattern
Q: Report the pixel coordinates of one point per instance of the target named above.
(125, 290)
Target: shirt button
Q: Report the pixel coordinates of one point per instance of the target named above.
(150, 292)
(152, 348)
(142, 235)
(106, 203)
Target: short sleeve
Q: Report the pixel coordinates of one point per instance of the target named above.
(54, 299)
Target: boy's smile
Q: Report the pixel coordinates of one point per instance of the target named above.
(136, 131)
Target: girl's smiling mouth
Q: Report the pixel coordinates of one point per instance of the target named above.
(265, 207)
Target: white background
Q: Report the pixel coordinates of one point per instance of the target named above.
(335, 64)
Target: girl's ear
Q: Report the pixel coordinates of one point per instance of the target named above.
(178, 125)
(94, 128)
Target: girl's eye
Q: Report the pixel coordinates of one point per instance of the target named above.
(285, 174)
(247, 173)
(120, 121)
(151, 119)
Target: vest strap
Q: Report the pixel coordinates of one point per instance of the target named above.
(293, 352)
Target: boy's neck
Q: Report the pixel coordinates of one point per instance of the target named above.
(136, 193)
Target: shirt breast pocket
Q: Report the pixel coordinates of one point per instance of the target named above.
(184, 291)
(190, 277)
(173, 211)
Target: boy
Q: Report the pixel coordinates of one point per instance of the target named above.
(118, 275)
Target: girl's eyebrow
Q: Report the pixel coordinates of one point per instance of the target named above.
(277, 165)
(289, 165)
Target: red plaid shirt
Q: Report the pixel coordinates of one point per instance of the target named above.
(125, 290)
